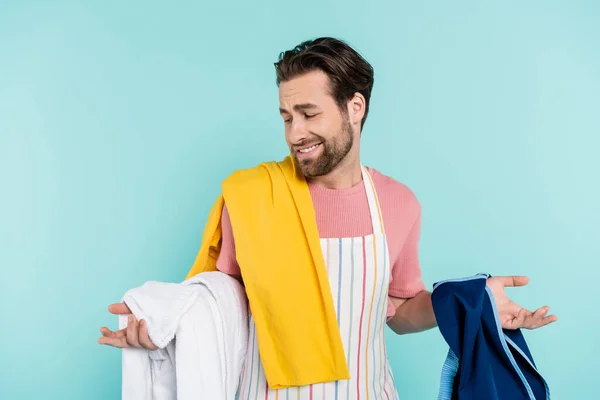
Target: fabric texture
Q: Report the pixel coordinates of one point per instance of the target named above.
(358, 271)
(484, 360)
(271, 212)
(200, 327)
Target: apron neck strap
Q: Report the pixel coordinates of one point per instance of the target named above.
(374, 207)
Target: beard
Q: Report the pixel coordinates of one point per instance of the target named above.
(334, 151)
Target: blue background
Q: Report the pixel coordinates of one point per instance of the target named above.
(118, 120)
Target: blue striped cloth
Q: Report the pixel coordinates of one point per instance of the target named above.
(449, 370)
(484, 361)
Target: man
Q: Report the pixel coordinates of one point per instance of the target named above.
(368, 223)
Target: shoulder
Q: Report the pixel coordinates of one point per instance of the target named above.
(262, 174)
(391, 186)
(393, 192)
(244, 175)
(250, 181)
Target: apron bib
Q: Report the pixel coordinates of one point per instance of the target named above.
(359, 274)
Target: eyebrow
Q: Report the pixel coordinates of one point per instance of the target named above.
(299, 107)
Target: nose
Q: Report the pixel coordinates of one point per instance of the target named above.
(297, 131)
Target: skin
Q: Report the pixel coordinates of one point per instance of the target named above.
(311, 116)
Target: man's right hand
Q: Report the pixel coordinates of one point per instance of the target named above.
(134, 335)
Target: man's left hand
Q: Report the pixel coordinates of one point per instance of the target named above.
(512, 315)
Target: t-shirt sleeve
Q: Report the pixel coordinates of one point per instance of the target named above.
(227, 262)
(406, 280)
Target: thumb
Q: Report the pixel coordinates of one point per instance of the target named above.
(119, 308)
(514, 280)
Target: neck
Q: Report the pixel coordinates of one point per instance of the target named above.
(347, 174)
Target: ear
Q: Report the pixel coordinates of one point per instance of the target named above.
(356, 108)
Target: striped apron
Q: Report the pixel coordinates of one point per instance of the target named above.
(359, 274)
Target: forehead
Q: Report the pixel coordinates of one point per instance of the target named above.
(312, 87)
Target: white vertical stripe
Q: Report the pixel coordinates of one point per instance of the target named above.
(373, 202)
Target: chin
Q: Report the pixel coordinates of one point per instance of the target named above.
(306, 167)
(313, 169)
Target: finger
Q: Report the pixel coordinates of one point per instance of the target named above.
(535, 318)
(540, 313)
(541, 319)
(513, 320)
(545, 321)
(119, 342)
(549, 319)
(511, 324)
(119, 308)
(107, 332)
(132, 332)
(144, 339)
(521, 317)
(514, 280)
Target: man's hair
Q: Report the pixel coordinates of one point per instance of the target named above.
(347, 70)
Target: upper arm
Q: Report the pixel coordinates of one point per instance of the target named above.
(406, 280)
(227, 261)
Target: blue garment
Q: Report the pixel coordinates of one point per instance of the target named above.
(484, 361)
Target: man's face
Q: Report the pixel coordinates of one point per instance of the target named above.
(318, 134)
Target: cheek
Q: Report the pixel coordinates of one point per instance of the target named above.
(323, 127)
(331, 132)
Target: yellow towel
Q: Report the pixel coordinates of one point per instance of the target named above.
(279, 253)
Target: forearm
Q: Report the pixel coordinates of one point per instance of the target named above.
(413, 315)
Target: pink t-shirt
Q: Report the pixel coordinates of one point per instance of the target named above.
(345, 213)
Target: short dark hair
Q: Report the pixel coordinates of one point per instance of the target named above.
(347, 70)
